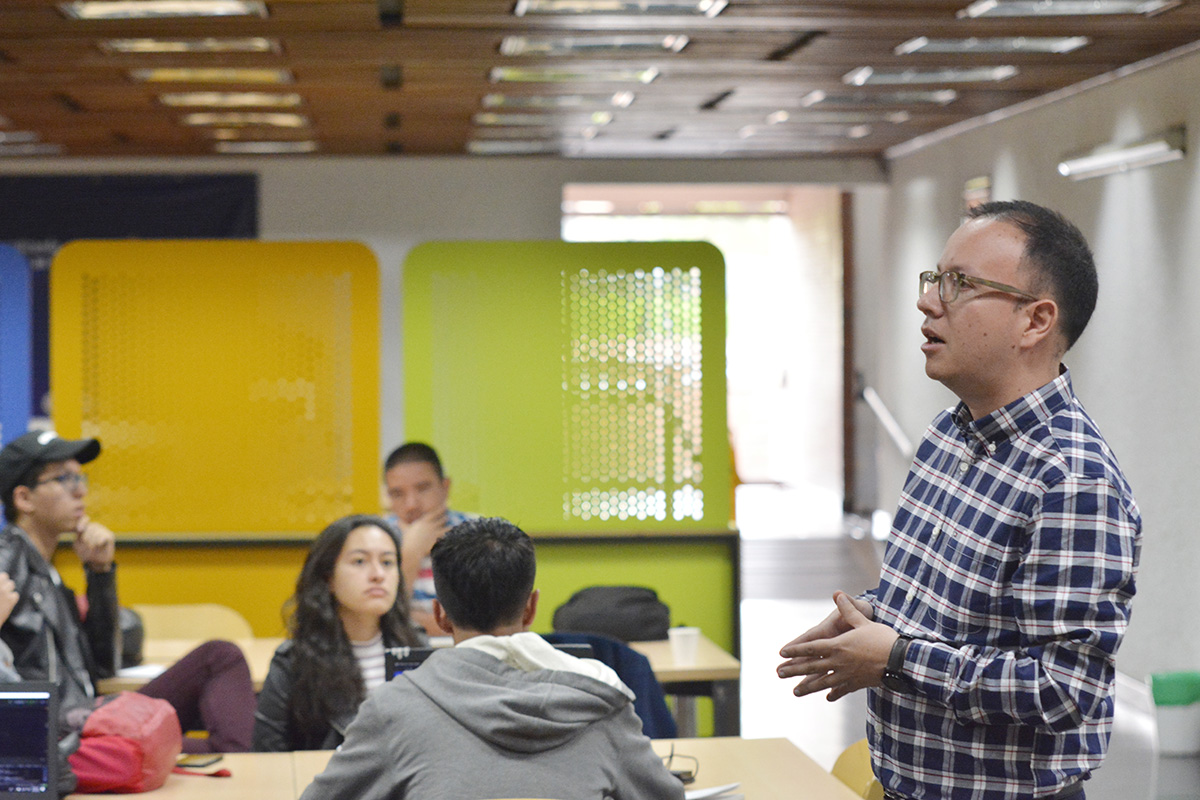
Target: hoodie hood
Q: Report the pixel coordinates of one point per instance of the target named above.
(525, 709)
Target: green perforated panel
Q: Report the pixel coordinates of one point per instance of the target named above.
(572, 387)
(633, 377)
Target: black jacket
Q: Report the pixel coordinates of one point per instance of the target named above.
(48, 639)
(271, 729)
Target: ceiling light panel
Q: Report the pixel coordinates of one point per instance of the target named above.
(591, 45)
(579, 75)
(244, 118)
(265, 148)
(939, 97)
(1111, 158)
(864, 76)
(1064, 8)
(704, 8)
(245, 44)
(996, 44)
(211, 75)
(231, 100)
(559, 101)
(158, 9)
(492, 118)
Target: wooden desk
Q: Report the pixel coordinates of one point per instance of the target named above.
(166, 652)
(767, 769)
(256, 776)
(715, 673)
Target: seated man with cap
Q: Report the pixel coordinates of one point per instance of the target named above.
(43, 489)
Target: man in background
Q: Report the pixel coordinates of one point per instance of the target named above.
(988, 648)
(417, 490)
(502, 713)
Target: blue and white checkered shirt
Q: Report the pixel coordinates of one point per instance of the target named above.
(1011, 562)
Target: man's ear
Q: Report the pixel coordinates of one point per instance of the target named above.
(21, 500)
(1043, 321)
(530, 610)
(440, 618)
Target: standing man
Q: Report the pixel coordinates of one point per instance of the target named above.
(988, 647)
(417, 491)
(44, 490)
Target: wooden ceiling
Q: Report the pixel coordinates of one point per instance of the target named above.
(412, 77)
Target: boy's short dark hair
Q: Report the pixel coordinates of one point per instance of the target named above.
(483, 570)
(414, 452)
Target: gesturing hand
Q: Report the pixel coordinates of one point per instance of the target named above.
(844, 653)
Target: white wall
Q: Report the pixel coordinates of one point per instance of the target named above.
(1137, 367)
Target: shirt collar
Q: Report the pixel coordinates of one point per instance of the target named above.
(1018, 416)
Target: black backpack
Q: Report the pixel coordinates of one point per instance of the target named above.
(628, 613)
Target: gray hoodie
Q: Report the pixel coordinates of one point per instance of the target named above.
(467, 725)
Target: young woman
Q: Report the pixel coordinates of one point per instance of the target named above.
(348, 606)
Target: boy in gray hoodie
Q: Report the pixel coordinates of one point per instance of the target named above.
(502, 713)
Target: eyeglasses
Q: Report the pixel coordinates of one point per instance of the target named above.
(71, 481)
(687, 770)
(951, 282)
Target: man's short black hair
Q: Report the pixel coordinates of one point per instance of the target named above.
(414, 452)
(1059, 255)
(483, 571)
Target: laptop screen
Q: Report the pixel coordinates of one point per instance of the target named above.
(28, 741)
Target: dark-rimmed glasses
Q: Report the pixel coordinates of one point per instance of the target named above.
(71, 481)
(951, 282)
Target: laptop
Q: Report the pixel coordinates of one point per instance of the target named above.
(29, 759)
(397, 660)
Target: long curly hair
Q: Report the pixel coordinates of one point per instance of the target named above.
(326, 678)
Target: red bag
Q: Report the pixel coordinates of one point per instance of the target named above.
(129, 744)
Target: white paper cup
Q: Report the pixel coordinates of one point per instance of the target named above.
(684, 642)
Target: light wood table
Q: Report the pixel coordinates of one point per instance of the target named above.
(714, 673)
(255, 776)
(767, 769)
(165, 652)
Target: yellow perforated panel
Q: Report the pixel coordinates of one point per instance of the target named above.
(233, 385)
(633, 379)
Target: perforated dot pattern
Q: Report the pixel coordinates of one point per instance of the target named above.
(632, 381)
(228, 393)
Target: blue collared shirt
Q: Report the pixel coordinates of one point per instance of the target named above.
(1011, 562)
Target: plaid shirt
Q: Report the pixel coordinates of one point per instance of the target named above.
(1011, 562)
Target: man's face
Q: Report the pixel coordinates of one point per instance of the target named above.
(971, 344)
(414, 489)
(56, 503)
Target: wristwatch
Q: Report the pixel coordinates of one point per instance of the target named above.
(893, 673)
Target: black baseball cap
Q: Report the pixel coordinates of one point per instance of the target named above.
(38, 448)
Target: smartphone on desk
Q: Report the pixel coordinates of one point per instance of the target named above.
(198, 759)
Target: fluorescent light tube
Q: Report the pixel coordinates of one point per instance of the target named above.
(1110, 159)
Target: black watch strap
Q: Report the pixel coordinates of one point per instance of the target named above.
(893, 673)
